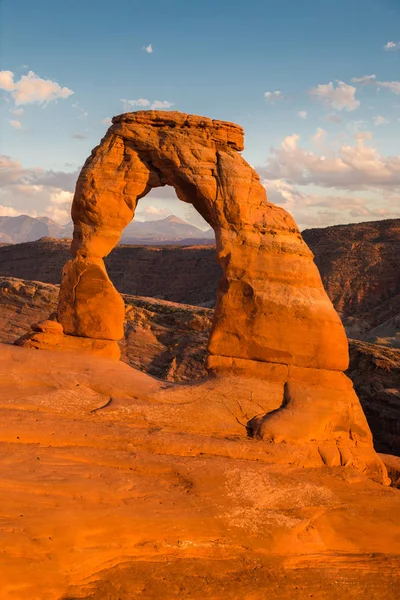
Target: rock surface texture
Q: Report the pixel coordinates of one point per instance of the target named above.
(116, 486)
(273, 319)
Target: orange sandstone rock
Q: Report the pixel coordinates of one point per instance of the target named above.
(271, 303)
(89, 305)
(48, 326)
(58, 342)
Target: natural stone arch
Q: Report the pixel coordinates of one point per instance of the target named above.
(273, 319)
(271, 304)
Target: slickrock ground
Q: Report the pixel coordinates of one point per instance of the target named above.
(168, 340)
(115, 485)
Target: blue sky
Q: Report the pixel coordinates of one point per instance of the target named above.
(315, 84)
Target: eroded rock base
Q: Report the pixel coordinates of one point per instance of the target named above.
(48, 335)
(314, 408)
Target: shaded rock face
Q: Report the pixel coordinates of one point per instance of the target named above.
(273, 319)
(188, 275)
(360, 265)
(375, 371)
(168, 340)
(22, 303)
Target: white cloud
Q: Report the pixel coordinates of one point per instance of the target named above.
(7, 81)
(392, 46)
(79, 136)
(59, 208)
(144, 103)
(13, 173)
(353, 167)
(129, 104)
(161, 104)
(333, 118)
(319, 138)
(31, 88)
(15, 124)
(273, 96)
(139, 102)
(107, 121)
(339, 98)
(379, 120)
(393, 86)
(302, 114)
(17, 111)
(60, 197)
(151, 213)
(319, 210)
(8, 211)
(35, 191)
(365, 79)
(148, 49)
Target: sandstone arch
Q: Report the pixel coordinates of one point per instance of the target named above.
(271, 304)
(273, 319)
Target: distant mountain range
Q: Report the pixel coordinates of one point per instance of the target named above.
(14, 230)
(172, 230)
(165, 231)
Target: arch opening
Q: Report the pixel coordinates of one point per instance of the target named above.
(166, 269)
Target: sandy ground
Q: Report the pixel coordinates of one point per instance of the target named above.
(114, 485)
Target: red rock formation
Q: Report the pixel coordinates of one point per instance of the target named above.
(273, 318)
(270, 285)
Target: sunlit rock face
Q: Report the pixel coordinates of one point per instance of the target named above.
(273, 319)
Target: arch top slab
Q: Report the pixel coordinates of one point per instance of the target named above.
(222, 132)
